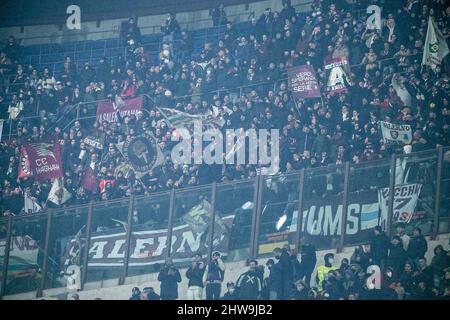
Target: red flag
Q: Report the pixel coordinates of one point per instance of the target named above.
(45, 160)
(107, 110)
(24, 164)
(89, 181)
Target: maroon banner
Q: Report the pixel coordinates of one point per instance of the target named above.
(303, 82)
(107, 110)
(45, 160)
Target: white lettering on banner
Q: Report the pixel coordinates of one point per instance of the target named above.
(141, 247)
(332, 226)
(405, 200)
(115, 253)
(162, 241)
(352, 220)
(97, 248)
(192, 242)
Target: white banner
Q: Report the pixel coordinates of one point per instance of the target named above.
(405, 201)
(396, 133)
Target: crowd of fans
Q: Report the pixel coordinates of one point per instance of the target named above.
(313, 132)
(405, 274)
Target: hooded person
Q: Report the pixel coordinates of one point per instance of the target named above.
(322, 271)
(287, 272)
(307, 263)
(135, 294)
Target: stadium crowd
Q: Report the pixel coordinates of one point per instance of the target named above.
(405, 274)
(313, 132)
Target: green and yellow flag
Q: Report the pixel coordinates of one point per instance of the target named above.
(435, 46)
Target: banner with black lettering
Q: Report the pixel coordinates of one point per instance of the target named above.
(337, 75)
(148, 246)
(405, 201)
(396, 134)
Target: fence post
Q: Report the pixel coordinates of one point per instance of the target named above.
(170, 223)
(257, 198)
(391, 195)
(84, 272)
(212, 217)
(127, 241)
(41, 288)
(298, 232)
(437, 204)
(6, 257)
(344, 207)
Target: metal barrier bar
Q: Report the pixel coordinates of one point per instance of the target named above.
(391, 195)
(212, 217)
(84, 271)
(127, 241)
(257, 217)
(437, 203)
(6, 258)
(41, 287)
(344, 207)
(170, 223)
(298, 232)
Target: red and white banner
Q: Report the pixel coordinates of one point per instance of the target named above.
(107, 110)
(45, 160)
(303, 82)
(24, 164)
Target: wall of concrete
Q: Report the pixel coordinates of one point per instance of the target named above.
(148, 24)
(108, 290)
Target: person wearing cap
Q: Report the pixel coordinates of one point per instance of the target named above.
(213, 277)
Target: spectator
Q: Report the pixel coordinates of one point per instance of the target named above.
(195, 275)
(323, 270)
(214, 274)
(417, 246)
(379, 247)
(249, 285)
(135, 294)
(169, 276)
(275, 281)
(397, 255)
(219, 16)
(231, 293)
(307, 263)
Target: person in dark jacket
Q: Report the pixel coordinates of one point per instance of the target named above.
(249, 285)
(213, 277)
(307, 263)
(195, 275)
(275, 284)
(169, 276)
(300, 292)
(287, 274)
(397, 255)
(417, 246)
(150, 294)
(135, 294)
(379, 247)
(439, 263)
(231, 293)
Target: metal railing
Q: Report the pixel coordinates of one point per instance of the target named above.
(250, 234)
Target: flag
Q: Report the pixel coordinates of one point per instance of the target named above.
(435, 48)
(45, 160)
(303, 82)
(401, 90)
(24, 164)
(396, 133)
(142, 153)
(89, 181)
(31, 205)
(58, 194)
(107, 110)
